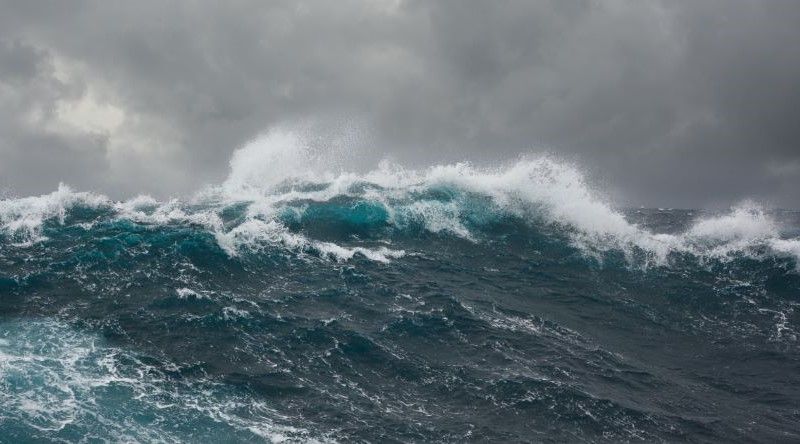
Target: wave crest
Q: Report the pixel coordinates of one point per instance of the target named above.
(22, 219)
(279, 180)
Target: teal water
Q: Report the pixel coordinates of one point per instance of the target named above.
(443, 310)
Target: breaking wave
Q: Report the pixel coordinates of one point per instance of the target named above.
(280, 193)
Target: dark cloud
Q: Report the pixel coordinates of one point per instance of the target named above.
(667, 102)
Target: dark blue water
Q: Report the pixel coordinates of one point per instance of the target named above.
(441, 312)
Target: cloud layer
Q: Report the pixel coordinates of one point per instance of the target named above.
(679, 103)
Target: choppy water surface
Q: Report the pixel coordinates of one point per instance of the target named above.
(449, 304)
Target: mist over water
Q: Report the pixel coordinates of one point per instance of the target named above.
(301, 301)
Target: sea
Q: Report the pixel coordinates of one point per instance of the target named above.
(451, 303)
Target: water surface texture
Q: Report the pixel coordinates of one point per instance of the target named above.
(453, 303)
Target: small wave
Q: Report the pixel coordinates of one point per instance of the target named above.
(22, 219)
(255, 234)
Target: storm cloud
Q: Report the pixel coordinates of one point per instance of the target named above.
(667, 103)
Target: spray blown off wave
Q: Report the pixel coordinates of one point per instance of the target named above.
(297, 301)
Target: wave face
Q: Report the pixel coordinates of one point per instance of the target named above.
(294, 302)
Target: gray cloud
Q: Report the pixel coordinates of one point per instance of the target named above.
(678, 103)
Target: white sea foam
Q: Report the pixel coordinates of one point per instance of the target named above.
(188, 293)
(140, 202)
(256, 234)
(232, 313)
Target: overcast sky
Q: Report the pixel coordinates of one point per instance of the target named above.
(666, 103)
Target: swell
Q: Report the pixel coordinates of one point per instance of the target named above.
(364, 219)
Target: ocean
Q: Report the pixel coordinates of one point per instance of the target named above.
(444, 304)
